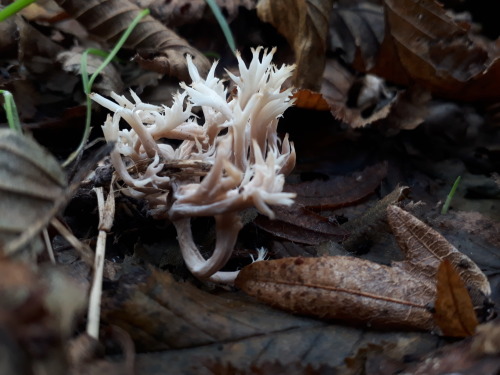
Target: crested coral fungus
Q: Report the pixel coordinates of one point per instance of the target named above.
(231, 161)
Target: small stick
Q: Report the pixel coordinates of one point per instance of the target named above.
(106, 215)
(48, 245)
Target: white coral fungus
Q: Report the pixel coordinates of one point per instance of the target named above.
(232, 161)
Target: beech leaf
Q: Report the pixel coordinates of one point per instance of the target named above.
(425, 249)
(454, 314)
(341, 287)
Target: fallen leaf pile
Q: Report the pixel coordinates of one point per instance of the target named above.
(361, 291)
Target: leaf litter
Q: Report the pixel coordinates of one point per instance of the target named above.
(398, 119)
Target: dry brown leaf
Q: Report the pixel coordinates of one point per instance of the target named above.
(32, 190)
(304, 23)
(425, 45)
(361, 291)
(425, 249)
(340, 287)
(158, 48)
(454, 313)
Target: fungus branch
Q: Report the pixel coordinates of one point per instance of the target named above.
(238, 139)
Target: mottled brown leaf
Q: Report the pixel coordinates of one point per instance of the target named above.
(341, 287)
(159, 48)
(339, 191)
(304, 23)
(425, 249)
(454, 313)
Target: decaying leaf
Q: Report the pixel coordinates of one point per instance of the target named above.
(32, 189)
(304, 23)
(341, 287)
(361, 291)
(158, 48)
(194, 317)
(454, 314)
(425, 249)
(425, 45)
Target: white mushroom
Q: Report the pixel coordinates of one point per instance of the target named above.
(237, 139)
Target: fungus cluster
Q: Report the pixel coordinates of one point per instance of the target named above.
(231, 160)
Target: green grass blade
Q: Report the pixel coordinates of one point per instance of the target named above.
(88, 82)
(11, 111)
(450, 196)
(13, 8)
(222, 23)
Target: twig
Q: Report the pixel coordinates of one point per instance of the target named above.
(48, 245)
(106, 215)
